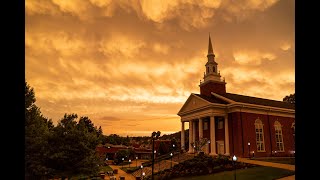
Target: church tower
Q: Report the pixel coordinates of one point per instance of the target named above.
(212, 81)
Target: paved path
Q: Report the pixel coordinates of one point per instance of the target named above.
(288, 178)
(271, 164)
(121, 173)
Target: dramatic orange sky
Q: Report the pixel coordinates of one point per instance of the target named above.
(130, 65)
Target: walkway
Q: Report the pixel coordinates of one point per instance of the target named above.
(121, 173)
(271, 164)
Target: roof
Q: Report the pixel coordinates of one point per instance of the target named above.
(259, 101)
(211, 99)
(248, 100)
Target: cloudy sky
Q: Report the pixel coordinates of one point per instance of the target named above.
(130, 65)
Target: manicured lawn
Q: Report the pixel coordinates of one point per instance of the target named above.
(106, 168)
(284, 160)
(254, 173)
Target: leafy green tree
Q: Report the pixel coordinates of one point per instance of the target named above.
(290, 98)
(37, 131)
(72, 147)
(122, 154)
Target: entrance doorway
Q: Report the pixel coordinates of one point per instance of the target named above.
(220, 147)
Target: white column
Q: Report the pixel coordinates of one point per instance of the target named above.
(182, 136)
(226, 134)
(194, 131)
(190, 136)
(200, 128)
(212, 136)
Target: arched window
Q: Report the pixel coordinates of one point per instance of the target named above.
(279, 138)
(213, 69)
(207, 69)
(259, 135)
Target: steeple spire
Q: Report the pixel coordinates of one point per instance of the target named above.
(210, 49)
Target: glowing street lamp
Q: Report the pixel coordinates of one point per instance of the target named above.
(143, 174)
(129, 162)
(122, 162)
(136, 161)
(141, 170)
(249, 149)
(171, 159)
(234, 159)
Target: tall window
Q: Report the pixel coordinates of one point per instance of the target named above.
(205, 125)
(213, 69)
(259, 135)
(207, 69)
(220, 124)
(279, 138)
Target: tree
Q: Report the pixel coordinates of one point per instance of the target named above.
(72, 147)
(122, 154)
(199, 144)
(290, 98)
(37, 131)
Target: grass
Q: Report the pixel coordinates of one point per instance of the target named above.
(282, 160)
(102, 168)
(254, 173)
(105, 168)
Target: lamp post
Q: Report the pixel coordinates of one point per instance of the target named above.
(143, 174)
(154, 136)
(252, 154)
(171, 159)
(136, 161)
(208, 145)
(141, 170)
(249, 149)
(234, 160)
(129, 162)
(174, 148)
(194, 149)
(122, 162)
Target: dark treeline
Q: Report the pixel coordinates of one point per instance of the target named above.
(64, 150)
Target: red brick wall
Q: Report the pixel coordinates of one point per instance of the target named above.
(219, 132)
(209, 87)
(239, 140)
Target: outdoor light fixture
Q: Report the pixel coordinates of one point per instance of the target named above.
(154, 135)
(141, 170)
(171, 159)
(234, 159)
(136, 161)
(129, 162)
(249, 149)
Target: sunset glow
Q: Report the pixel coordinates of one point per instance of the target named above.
(130, 65)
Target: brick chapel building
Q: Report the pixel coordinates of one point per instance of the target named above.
(235, 124)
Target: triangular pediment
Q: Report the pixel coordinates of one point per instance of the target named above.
(193, 102)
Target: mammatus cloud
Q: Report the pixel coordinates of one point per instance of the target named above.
(252, 57)
(188, 13)
(130, 65)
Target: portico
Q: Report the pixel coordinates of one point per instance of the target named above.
(206, 120)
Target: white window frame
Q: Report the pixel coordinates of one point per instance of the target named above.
(279, 136)
(260, 133)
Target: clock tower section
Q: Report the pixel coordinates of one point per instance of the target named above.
(212, 81)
